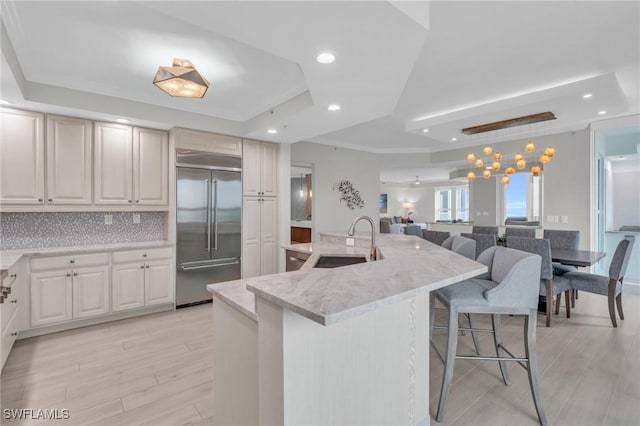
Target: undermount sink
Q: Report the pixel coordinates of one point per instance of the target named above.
(338, 261)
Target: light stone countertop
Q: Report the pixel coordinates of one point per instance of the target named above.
(8, 258)
(410, 265)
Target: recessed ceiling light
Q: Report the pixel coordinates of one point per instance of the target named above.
(272, 131)
(3, 102)
(425, 130)
(622, 157)
(334, 107)
(587, 95)
(602, 112)
(454, 139)
(122, 120)
(325, 57)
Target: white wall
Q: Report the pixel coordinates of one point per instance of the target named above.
(330, 165)
(423, 200)
(626, 199)
(483, 201)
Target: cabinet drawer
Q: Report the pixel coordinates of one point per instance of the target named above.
(57, 262)
(138, 255)
(210, 142)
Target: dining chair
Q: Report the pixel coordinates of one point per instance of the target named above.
(509, 287)
(511, 231)
(568, 240)
(483, 241)
(415, 230)
(436, 237)
(477, 229)
(550, 285)
(610, 286)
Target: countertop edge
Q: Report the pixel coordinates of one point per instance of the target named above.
(234, 304)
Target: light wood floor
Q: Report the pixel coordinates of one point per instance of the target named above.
(157, 370)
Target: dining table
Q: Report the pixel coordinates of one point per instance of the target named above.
(576, 257)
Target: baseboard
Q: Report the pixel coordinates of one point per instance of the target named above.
(40, 331)
(631, 288)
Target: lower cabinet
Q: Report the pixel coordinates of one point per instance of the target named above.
(13, 309)
(141, 284)
(63, 295)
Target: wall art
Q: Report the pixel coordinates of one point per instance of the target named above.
(349, 194)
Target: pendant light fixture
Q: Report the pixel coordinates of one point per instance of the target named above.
(181, 80)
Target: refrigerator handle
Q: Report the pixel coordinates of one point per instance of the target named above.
(208, 214)
(215, 214)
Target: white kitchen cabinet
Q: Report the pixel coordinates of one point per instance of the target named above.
(208, 142)
(113, 164)
(13, 309)
(21, 157)
(69, 287)
(150, 167)
(127, 286)
(259, 168)
(51, 297)
(69, 147)
(158, 286)
(90, 292)
(259, 236)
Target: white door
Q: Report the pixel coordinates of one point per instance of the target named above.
(90, 291)
(269, 173)
(150, 167)
(251, 167)
(51, 300)
(250, 237)
(158, 282)
(113, 164)
(68, 160)
(21, 157)
(127, 286)
(268, 236)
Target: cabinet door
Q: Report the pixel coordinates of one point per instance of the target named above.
(268, 236)
(158, 282)
(127, 286)
(21, 157)
(90, 292)
(250, 237)
(251, 167)
(150, 167)
(269, 169)
(50, 297)
(68, 160)
(113, 164)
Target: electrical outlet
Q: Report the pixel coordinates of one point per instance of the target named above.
(552, 219)
(136, 218)
(108, 219)
(485, 213)
(564, 219)
(351, 242)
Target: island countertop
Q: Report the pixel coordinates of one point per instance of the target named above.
(409, 265)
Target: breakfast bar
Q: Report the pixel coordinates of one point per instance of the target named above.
(345, 345)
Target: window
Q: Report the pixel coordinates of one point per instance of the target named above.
(443, 204)
(462, 203)
(522, 197)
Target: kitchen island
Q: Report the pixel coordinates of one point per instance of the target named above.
(332, 346)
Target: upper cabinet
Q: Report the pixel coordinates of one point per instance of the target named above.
(131, 166)
(68, 160)
(113, 171)
(21, 157)
(259, 168)
(208, 142)
(150, 167)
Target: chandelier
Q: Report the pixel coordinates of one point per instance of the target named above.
(497, 162)
(181, 80)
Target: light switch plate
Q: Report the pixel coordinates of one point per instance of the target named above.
(564, 219)
(108, 219)
(351, 242)
(136, 218)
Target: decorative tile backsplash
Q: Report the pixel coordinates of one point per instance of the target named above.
(26, 230)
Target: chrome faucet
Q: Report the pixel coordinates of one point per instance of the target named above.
(352, 229)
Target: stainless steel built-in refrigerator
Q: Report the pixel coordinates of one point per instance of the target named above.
(209, 204)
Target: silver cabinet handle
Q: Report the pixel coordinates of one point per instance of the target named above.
(50, 200)
(75, 274)
(137, 201)
(130, 201)
(208, 215)
(142, 267)
(39, 200)
(14, 301)
(15, 333)
(68, 275)
(72, 261)
(147, 266)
